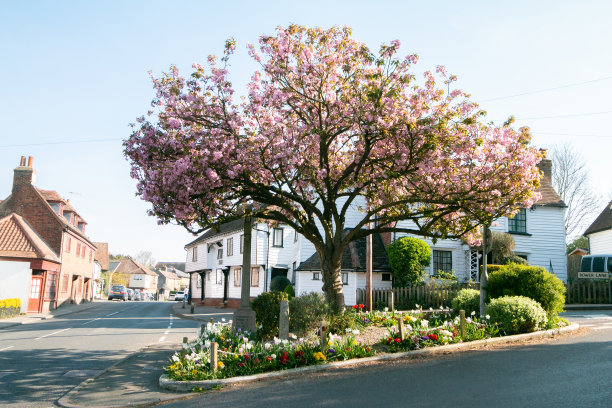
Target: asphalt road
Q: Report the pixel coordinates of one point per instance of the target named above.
(42, 361)
(570, 371)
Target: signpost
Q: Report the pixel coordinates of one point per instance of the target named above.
(598, 275)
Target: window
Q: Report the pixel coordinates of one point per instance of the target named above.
(219, 277)
(315, 276)
(345, 278)
(295, 236)
(50, 289)
(294, 272)
(598, 264)
(220, 253)
(83, 249)
(237, 276)
(609, 264)
(442, 261)
(198, 280)
(255, 276)
(78, 251)
(65, 283)
(68, 216)
(56, 207)
(68, 244)
(194, 254)
(386, 277)
(241, 243)
(230, 246)
(277, 237)
(137, 277)
(518, 223)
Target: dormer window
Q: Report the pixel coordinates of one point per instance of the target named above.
(68, 216)
(81, 226)
(56, 207)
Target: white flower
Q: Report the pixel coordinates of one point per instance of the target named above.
(356, 331)
(348, 330)
(175, 358)
(446, 333)
(223, 319)
(417, 306)
(408, 327)
(468, 320)
(267, 346)
(431, 309)
(246, 339)
(276, 341)
(424, 323)
(249, 346)
(386, 309)
(441, 307)
(285, 342)
(487, 317)
(260, 326)
(273, 356)
(473, 313)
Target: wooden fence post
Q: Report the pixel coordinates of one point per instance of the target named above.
(462, 323)
(390, 299)
(214, 357)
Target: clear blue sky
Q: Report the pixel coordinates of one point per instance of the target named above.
(76, 72)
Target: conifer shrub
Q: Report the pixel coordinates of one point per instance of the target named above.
(306, 312)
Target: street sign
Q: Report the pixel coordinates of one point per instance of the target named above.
(593, 275)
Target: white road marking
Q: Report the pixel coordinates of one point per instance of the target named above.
(167, 331)
(113, 313)
(162, 338)
(6, 348)
(51, 334)
(83, 324)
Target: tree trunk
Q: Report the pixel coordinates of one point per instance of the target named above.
(332, 280)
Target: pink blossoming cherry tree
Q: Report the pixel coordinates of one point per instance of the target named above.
(327, 126)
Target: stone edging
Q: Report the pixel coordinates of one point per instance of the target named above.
(186, 386)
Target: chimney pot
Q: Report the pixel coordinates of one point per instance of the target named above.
(30, 160)
(22, 162)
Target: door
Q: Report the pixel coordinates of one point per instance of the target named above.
(34, 302)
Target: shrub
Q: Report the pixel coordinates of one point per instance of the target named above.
(407, 257)
(468, 300)
(338, 323)
(517, 314)
(533, 282)
(279, 283)
(306, 312)
(502, 246)
(289, 291)
(516, 260)
(267, 311)
(10, 303)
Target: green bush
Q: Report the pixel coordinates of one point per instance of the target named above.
(408, 257)
(533, 282)
(517, 314)
(516, 260)
(338, 323)
(289, 291)
(468, 300)
(267, 311)
(279, 283)
(306, 312)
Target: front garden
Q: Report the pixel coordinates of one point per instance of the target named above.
(319, 337)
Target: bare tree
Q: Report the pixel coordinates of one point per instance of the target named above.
(145, 258)
(570, 179)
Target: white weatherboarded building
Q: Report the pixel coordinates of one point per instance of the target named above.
(600, 232)
(214, 259)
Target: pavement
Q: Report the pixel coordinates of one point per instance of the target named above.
(36, 317)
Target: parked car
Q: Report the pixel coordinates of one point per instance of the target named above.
(180, 295)
(137, 295)
(118, 292)
(172, 295)
(130, 294)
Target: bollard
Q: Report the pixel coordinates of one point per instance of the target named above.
(212, 320)
(192, 308)
(323, 331)
(462, 323)
(183, 303)
(402, 329)
(184, 340)
(214, 358)
(283, 321)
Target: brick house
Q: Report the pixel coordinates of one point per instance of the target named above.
(140, 277)
(61, 228)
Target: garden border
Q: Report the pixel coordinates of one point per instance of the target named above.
(185, 386)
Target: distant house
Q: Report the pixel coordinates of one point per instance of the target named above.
(178, 268)
(140, 277)
(600, 232)
(167, 280)
(62, 230)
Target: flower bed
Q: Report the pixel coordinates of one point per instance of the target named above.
(239, 355)
(9, 308)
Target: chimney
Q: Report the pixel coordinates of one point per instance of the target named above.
(23, 175)
(545, 165)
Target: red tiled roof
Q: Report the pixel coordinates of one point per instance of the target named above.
(130, 266)
(19, 240)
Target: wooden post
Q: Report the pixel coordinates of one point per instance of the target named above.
(185, 340)
(192, 308)
(214, 358)
(323, 330)
(283, 320)
(212, 320)
(402, 329)
(462, 323)
(391, 300)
